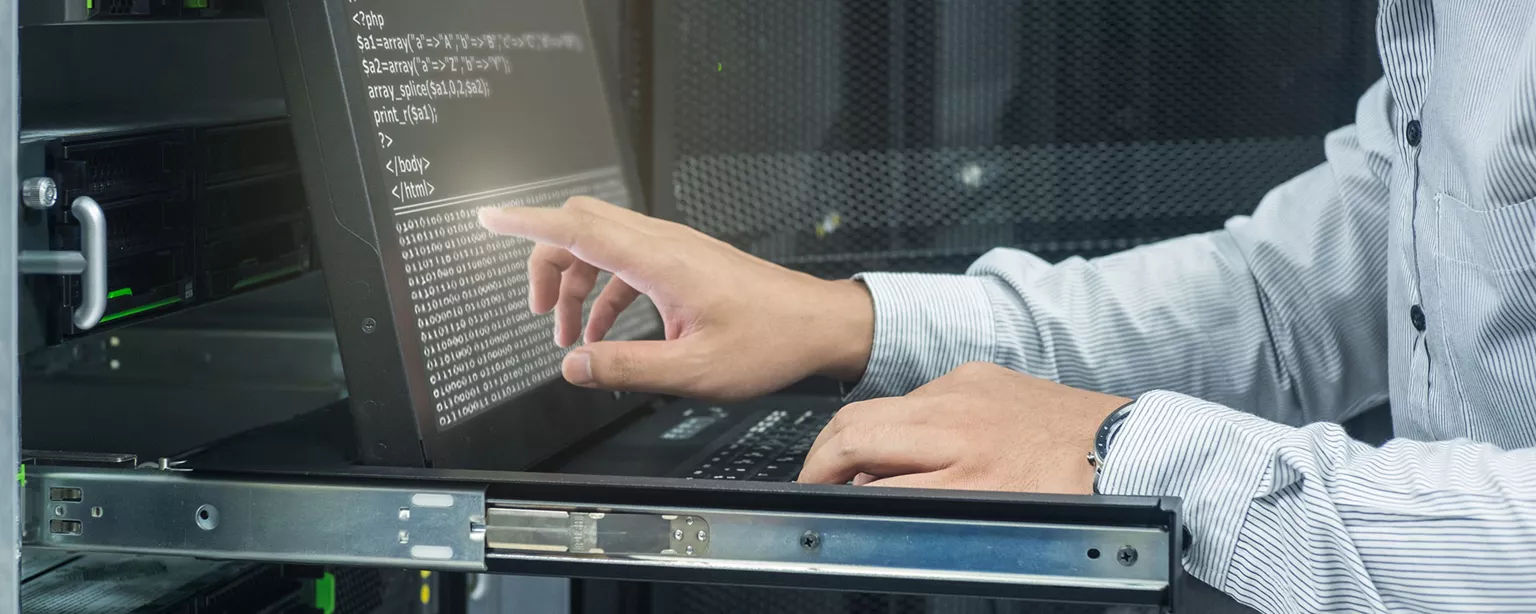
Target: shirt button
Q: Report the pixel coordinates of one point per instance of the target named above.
(1414, 133)
(1416, 314)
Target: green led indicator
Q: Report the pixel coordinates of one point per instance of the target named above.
(269, 276)
(119, 292)
(325, 593)
(21, 475)
(141, 309)
(90, 4)
(719, 67)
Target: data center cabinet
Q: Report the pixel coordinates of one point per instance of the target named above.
(153, 208)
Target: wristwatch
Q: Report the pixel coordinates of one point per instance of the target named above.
(1104, 437)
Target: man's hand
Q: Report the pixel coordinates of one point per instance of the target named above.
(981, 427)
(736, 326)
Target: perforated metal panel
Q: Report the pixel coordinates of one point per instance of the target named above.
(111, 583)
(846, 135)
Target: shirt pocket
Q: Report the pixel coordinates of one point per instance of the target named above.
(1501, 240)
(1483, 315)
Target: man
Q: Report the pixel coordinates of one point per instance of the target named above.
(1402, 269)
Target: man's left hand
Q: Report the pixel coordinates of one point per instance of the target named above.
(981, 427)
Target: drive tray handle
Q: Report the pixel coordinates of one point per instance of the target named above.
(90, 263)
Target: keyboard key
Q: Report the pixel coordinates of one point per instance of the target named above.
(778, 473)
(772, 450)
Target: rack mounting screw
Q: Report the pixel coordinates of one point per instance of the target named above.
(39, 193)
(1126, 556)
(811, 540)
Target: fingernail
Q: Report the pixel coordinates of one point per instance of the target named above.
(578, 367)
(489, 215)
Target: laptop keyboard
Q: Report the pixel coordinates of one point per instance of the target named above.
(771, 451)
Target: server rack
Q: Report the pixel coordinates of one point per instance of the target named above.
(453, 521)
(559, 507)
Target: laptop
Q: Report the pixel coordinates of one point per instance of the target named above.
(409, 117)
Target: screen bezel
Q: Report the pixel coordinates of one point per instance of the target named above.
(392, 428)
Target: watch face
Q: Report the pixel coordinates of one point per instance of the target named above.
(1108, 429)
(1104, 437)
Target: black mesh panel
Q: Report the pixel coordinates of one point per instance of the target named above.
(839, 136)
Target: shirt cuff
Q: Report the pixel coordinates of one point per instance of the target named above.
(925, 325)
(1214, 458)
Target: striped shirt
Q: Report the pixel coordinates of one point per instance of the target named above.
(1403, 269)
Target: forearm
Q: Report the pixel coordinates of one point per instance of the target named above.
(1305, 519)
(1281, 314)
(1182, 314)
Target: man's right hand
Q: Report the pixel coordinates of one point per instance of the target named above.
(736, 326)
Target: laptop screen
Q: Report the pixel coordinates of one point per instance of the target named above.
(450, 106)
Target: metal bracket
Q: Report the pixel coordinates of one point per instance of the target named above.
(176, 513)
(918, 549)
(538, 530)
(451, 524)
(90, 262)
(59, 458)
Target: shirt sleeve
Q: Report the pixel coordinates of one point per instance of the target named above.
(1281, 314)
(1306, 519)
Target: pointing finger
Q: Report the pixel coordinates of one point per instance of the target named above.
(593, 238)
